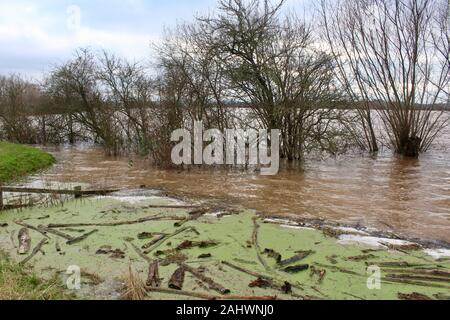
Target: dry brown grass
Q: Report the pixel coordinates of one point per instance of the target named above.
(134, 286)
(20, 283)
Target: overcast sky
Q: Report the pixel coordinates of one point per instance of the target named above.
(37, 34)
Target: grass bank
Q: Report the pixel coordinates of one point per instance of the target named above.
(17, 282)
(18, 160)
(20, 283)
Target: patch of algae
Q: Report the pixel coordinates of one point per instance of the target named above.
(345, 279)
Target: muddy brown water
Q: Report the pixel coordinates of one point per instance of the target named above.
(409, 197)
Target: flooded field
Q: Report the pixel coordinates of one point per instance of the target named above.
(214, 253)
(408, 197)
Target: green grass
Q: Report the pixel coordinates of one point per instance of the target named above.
(18, 160)
(20, 283)
(17, 282)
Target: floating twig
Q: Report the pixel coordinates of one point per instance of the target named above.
(81, 238)
(25, 225)
(414, 283)
(24, 241)
(35, 251)
(296, 269)
(140, 253)
(114, 224)
(177, 280)
(256, 244)
(298, 257)
(153, 279)
(154, 241)
(56, 233)
(210, 282)
(207, 296)
(160, 242)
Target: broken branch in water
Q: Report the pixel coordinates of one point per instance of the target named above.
(418, 277)
(273, 254)
(427, 272)
(276, 283)
(256, 244)
(193, 215)
(207, 296)
(25, 225)
(188, 244)
(170, 207)
(284, 286)
(153, 279)
(339, 269)
(140, 253)
(299, 256)
(414, 283)
(321, 273)
(257, 275)
(44, 230)
(35, 251)
(413, 296)
(177, 280)
(160, 242)
(210, 282)
(397, 264)
(24, 241)
(81, 238)
(261, 283)
(114, 224)
(296, 269)
(154, 241)
(56, 233)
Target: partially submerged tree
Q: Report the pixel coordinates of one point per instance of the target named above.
(392, 57)
(271, 67)
(76, 84)
(129, 91)
(18, 99)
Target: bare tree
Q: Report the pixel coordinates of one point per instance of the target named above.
(18, 98)
(129, 90)
(76, 84)
(392, 56)
(274, 70)
(186, 61)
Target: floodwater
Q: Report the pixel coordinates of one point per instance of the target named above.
(409, 197)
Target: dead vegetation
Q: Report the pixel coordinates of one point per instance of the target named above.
(18, 282)
(177, 257)
(134, 287)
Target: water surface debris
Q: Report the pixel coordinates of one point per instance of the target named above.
(24, 241)
(273, 254)
(298, 257)
(296, 269)
(153, 279)
(81, 238)
(210, 282)
(260, 283)
(35, 251)
(413, 296)
(221, 257)
(177, 279)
